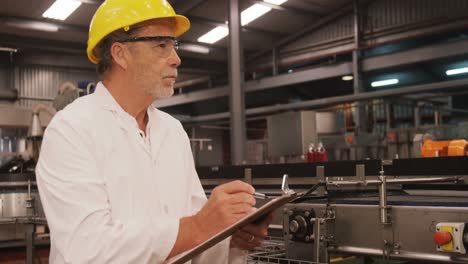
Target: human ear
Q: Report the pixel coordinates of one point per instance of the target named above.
(119, 54)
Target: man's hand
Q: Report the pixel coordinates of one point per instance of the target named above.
(227, 204)
(252, 235)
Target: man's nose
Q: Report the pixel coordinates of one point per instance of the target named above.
(174, 59)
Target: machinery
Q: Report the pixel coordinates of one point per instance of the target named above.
(23, 226)
(377, 216)
(22, 218)
(408, 209)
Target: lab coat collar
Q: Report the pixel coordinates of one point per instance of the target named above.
(105, 99)
(108, 102)
(157, 131)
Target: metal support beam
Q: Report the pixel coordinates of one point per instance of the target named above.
(257, 85)
(417, 116)
(274, 62)
(428, 53)
(54, 59)
(331, 101)
(42, 44)
(360, 119)
(346, 45)
(31, 23)
(29, 233)
(182, 84)
(325, 20)
(389, 115)
(236, 79)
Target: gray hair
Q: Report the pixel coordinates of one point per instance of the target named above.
(103, 49)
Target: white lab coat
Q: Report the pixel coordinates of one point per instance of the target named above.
(112, 194)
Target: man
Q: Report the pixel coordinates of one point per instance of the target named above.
(116, 176)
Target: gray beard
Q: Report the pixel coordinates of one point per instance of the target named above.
(161, 93)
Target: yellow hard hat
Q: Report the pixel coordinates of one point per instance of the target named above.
(121, 14)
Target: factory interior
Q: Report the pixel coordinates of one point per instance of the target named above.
(362, 102)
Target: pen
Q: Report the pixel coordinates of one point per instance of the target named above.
(259, 195)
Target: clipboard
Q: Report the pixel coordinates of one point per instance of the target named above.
(262, 211)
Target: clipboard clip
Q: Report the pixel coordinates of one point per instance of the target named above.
(285, 185)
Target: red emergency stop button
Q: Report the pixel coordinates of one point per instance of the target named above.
(442, 238)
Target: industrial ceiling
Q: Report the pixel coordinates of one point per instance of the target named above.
(314, 37)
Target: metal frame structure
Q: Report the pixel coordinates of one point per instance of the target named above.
(324, 102)
(428, 53)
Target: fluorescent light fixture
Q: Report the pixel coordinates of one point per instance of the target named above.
(457, 71)
(36, 25)
(347, 78)
(8, 49)
(194, 48)
(275, 2)
(61, 9)
(257, 10)
(248, 15)
(214, 35)
(253, 12)
(384, 82)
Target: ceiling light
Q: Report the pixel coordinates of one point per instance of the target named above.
(194, 48)
(384, 82)
(8, 49)
(253, 12)
(275, 2)
(36, 25)
(457, 71)
(347, 78)
(214, 35)
(248, 15)
(61, 9)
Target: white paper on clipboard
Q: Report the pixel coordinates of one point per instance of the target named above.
(262, 211)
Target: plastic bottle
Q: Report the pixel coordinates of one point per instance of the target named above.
(311, 152)
(322, 155)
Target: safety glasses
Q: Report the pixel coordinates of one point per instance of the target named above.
(163, 44)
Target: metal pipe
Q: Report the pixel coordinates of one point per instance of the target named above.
(36, 98)
(317, 227)
(384, 219)
(402, 254)
(8, 94)
(394, 181)
(17, 184)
